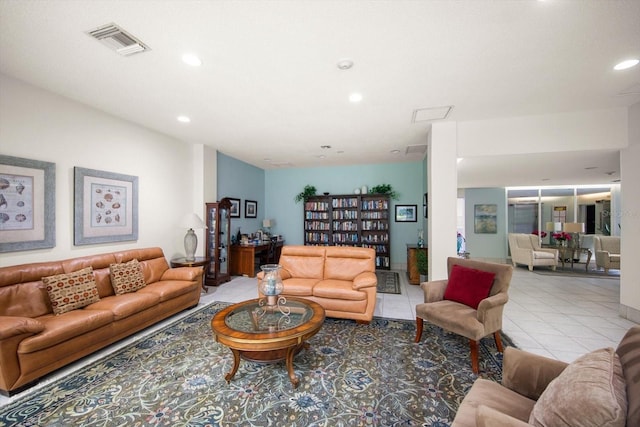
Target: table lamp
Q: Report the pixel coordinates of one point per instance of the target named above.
(574, 228)
(191, 221)
(267, 224)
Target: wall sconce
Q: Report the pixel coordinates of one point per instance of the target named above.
(191, 221)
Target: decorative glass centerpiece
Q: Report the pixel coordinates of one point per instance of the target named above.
(271, 287)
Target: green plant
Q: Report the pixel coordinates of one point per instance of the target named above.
(422, 262)
(308, 191)
(384, 189)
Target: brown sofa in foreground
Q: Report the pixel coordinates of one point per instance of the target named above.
(34, 341)
(600, 388)
(341, 279)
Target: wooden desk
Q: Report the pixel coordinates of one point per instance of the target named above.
(243, 257)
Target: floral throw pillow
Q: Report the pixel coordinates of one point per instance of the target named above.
(72, 290)
(127, 277)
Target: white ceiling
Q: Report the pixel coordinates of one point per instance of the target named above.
(269, 87)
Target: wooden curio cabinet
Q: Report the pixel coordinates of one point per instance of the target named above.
(218, 242)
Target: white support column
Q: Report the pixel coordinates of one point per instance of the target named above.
(443, 190)
(629, 219)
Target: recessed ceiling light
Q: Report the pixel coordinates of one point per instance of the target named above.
(355, 97)
(345, 64)
(395, 151)
(191, 59)
(184, 119)
(626, 64)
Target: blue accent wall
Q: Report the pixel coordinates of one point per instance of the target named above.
(240, 180)
(282, 185)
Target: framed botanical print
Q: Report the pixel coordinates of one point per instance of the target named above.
(27, 204)
(105, 207)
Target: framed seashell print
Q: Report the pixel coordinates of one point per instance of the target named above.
(105, 207)
(27, 204)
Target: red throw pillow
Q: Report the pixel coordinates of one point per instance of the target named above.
(468, 285)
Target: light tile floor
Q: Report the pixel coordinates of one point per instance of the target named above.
(555, 316)
(561, 317)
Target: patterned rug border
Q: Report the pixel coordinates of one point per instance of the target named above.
(449, 360)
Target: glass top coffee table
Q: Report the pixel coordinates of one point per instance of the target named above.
(267, 331)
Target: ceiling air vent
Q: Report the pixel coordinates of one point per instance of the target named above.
(118, 39)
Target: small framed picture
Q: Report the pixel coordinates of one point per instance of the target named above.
(250, 209)
(485, 219)
(234, 212)
(406, 213)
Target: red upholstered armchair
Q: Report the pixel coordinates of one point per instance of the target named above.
(463, 319)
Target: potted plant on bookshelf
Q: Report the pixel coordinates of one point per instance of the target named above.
(308, 191)
(384, 189)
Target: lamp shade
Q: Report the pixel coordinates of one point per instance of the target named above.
(553, 226)
(192, 221)
(267, 223)
(574, 227)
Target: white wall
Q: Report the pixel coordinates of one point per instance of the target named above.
(630, 220)
(36, 124)
(580, 130)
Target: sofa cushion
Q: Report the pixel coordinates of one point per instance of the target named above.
(543, 255)
(468, 286)
(338, 289)
(71, 290)
(60, 328)
(591, 391)
(299, 287)
(126, 277)
(125, 305)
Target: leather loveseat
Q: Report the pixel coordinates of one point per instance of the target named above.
(341, 279)
(35, 341)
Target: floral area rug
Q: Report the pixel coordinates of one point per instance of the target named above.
(351, 375)
(388, 282)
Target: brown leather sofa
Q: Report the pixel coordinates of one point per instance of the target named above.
(34, 341)
(341, 279)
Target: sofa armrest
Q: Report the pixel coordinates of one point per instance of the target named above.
(489, 417)
(602, 257)
(285, 274)
(434, 291)
(490, 309)
(528, 374)
(11, 326)
(183, 273)
(363, 280)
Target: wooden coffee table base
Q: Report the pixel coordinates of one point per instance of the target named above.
(273, 356)
(267, 345)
